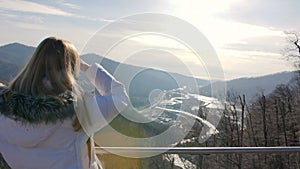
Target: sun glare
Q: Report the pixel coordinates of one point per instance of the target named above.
(203, 7)
(206, 16)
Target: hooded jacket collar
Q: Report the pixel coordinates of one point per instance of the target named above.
(36, 109)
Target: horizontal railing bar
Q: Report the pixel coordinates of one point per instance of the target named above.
(196, 150)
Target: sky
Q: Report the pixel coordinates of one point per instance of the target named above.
(247, 35)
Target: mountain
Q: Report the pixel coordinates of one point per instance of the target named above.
(143, 80)
(252, 86)
(140, 83)
(14, 56)
(16, 53)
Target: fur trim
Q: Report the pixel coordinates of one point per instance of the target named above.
(36, 109)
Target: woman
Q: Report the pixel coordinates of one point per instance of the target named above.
(44, 121)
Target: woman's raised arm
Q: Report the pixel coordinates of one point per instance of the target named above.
(109, 100)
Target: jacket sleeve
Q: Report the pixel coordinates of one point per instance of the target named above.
(107, 102)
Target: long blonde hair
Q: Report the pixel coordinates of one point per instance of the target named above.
(52, 69)
(55, 60)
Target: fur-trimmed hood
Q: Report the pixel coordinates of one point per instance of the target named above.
(28, 120)
(36, 109)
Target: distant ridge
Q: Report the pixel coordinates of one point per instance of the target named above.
(253, 85)
(15, 55)
(146, 79)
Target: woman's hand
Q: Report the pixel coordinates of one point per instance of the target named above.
(83, 65)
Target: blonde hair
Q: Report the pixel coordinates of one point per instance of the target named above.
(54, 59)
(56, 62)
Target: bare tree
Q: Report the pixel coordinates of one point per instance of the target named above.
(292, 51)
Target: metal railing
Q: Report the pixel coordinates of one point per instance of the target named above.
(197, 150)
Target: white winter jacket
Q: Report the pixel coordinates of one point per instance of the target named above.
(47, 145)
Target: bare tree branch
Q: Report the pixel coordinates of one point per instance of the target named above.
(296, 43)
(292, 51)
